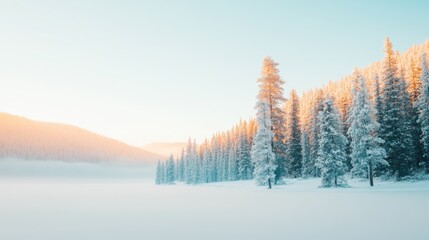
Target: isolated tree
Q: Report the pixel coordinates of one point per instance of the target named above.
(169, 170)
(262, 153)
(423, 106)
(271, 92)
(332, 146)
(293, 136)
(366, 151)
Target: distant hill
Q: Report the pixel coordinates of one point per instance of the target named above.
(165, 148)
(28, 139)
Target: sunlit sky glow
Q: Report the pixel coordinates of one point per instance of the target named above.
(145, 71)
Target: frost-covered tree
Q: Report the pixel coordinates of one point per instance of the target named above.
(314, 134)
(307, 165)
(332, 146)
(366, 151)
(162, 170)
(243, 156)
(181, 167)
(423, 106)
(293, 136)
(271, 92)
(396, 129)
(233, 174)
(169, 170)
(378, 101)
(262, 153)
(158, 173)
(207, 163)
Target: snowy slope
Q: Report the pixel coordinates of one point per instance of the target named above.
(27, 139)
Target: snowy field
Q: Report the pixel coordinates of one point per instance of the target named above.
(113, 206)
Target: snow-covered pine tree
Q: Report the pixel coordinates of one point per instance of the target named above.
(196, 166)
(181, 171)
(243, 155)
(395, 128)
(189, 163)
(378, 101)
(162, 173)
(314, 133)
(293, 136)
(271, 92)
(366, 151)
(412, 77)
(232, 163)
(214, 156)
(158, 173)
(207, 164)
(262, 153)
(332, 146)
(423, 106)
(307, 166)
(169, 170)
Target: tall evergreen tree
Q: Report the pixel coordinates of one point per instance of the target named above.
(271, 92)
(162, 170)
(314, 134)
(262, 153)
(412, 77)
(366, 151)
(243, 155)
(158, 173)
(332, 146)
(423, 106)
(378, 101)
(395, 125)
(181, 171)
(169, 170)
(293, 137)
(307, 165)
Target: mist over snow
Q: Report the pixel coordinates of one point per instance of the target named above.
(59, 170)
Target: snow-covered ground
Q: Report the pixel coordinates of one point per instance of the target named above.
(132, 208)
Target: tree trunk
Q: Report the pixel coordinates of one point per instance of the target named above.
(371, 177)
(269, 183)
(335, 181)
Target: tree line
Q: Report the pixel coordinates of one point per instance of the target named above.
(374, 122)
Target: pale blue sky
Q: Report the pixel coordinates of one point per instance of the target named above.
(143, 71)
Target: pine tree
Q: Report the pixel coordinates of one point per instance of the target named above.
(307, 165)
(378, 102)
(262, 153)
(366, 151)
(396, 129)
(271, 92)
(181, 171)
(243, 156)
(293, 137)
(332, 146)
(233, 166)
(162, 173)
(314, 134)
(189, 163)
(158, 173)
(169, 170)
(423, 106)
